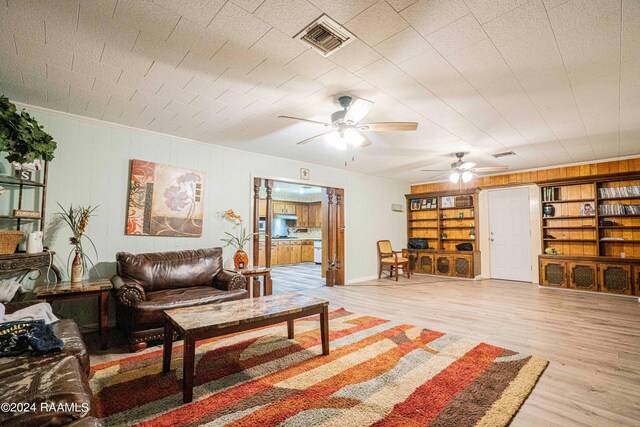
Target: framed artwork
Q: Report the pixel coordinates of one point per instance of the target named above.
(415, 204)
(448, 201)
(165, 200)
(587, 209)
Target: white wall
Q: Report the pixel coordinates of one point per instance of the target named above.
(92, 167)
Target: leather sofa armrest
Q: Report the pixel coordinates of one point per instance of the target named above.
(127, 293)
(229, 281)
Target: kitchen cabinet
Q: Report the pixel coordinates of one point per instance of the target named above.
(314, 215)
(583, 275)
(302, 212)
(307, 251)
(615, 278)
(553, 273)
(280, 207)
(296, 252)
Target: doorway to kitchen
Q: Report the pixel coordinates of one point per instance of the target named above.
(300, 234)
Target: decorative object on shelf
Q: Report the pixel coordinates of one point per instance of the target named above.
(548, 210)
(34, 242)
(24, 171)
(606, 223)
(472, 234)
(464, 247)
(461, 214)
(165, 200)
(23, 213)
(415, 204)
(77, 218)
(448, 201)
(418, 243)
(444, 235)
(9, 240)
(551, 251)
(586, 209)
(240, 258)
(472, 212)
(21, 137)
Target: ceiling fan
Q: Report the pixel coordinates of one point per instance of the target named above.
(346, 127)
(465, 170)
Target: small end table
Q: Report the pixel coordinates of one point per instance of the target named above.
(86, 288)
(253, 274)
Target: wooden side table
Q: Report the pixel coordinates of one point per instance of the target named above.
(252, 274)
(87, 288)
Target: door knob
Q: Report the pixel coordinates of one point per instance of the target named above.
(491, 239)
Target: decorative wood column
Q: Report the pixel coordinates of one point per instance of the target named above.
(339, 240)
(269, 218)
(257, 182)
(331, 241)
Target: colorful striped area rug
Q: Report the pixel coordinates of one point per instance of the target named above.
(379, 373)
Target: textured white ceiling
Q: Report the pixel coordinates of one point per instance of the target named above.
(556, 81)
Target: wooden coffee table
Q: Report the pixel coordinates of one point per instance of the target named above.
(213, 320)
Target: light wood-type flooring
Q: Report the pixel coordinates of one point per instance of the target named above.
(296, 277)
(591, 341)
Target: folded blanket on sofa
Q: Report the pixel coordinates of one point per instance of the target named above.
(16, 337)
(41, 311)
(8, 289)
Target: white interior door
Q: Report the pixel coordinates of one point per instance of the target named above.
(510, 234)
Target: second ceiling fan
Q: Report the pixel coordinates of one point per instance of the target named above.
(346, 127)
(464, 170)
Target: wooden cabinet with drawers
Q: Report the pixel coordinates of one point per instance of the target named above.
(289, 252)
(597, 274)
(307, 251)
(444, 263)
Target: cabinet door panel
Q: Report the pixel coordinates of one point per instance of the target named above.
(583, 276)
(296, 253)
(444, 265)
(426, 263)
(553, 273)
(615, 278)
(636, 279)
(462, 266)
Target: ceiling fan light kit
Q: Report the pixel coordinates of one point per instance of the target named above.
(348, 129)
(465, 170)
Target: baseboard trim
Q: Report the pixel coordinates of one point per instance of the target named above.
(588, 292)
(361, 279)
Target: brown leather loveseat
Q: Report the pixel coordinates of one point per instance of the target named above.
(148, 284)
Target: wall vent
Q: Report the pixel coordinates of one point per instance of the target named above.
(504, 154)
(325, 36)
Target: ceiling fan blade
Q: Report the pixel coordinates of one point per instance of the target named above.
(365, 141)
(439, 176)
(308, 140)
(305, 120)
(388, 126)
(433, 170)
(490, 169)
(358, 109)
(466, 166)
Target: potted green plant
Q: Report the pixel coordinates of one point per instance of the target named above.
(22, 137)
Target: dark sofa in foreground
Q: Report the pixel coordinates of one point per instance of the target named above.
(148, 284)
(55, 385)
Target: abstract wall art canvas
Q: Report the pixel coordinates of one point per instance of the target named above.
(165, 200)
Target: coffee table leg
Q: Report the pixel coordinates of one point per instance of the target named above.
(290, 329)
(268, 284)
(324, 329)
(103, 311)
(187, 376)
(256, 287)
(168, 345)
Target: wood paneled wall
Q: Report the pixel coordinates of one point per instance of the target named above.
(518, 178)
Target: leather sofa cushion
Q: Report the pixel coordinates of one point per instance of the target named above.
(167, 270)
(65, 329)
(50, 380)
(148, 313)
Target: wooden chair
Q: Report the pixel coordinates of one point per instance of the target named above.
(388, 257)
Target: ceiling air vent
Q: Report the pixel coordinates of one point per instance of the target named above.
(504, 154)
(325, 35)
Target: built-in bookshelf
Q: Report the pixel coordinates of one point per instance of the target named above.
(591, 234)
(445, 220)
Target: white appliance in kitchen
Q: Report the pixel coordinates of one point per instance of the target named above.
(317, 251)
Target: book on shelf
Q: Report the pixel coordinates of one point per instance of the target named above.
(549, 194)
(619, 209)
(613, 192)
(611, 238)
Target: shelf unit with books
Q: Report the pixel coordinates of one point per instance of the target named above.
(591, 234)
(445, 220)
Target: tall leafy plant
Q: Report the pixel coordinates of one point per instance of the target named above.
(21, 136)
